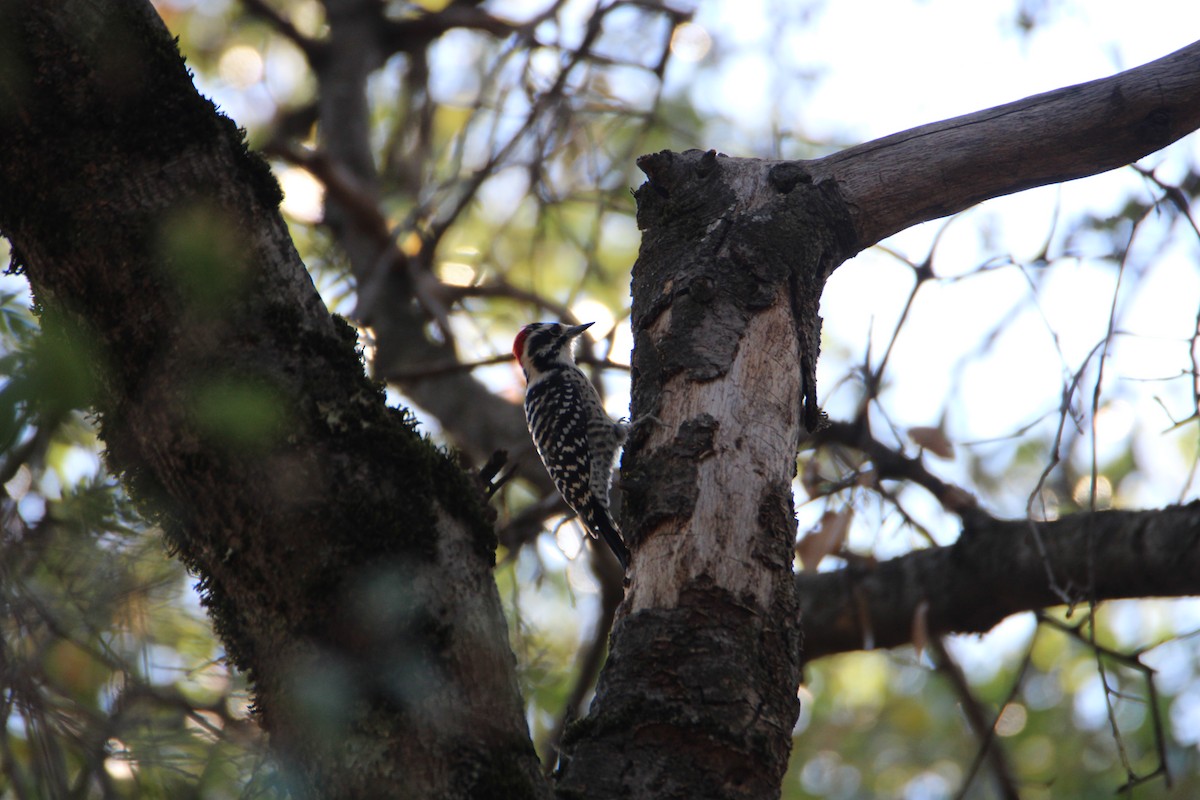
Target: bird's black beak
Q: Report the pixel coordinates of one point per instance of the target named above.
(578, 329)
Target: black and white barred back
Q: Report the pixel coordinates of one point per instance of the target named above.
(574, 435)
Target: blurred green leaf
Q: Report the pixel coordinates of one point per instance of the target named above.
(203, 252)
(240, 413)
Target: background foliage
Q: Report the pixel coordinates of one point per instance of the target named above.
(1043, 346)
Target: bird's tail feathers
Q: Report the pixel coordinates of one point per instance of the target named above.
(600, 521)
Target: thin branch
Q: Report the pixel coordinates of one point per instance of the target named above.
(892, 465)
(983, 729)
(416, 33)
(312, 48)
(1131, 661)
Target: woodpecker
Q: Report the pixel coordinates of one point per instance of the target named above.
(575, 437)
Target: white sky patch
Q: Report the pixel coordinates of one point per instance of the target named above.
(241, 66)
(893, 65)
(594, 311)
(303, 195)
(285, 69)
(690, 42)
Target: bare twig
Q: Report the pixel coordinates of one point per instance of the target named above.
(890, 464)
(984, 729)
(311, 48)
(1131, 661)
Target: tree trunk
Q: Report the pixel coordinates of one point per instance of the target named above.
(699, 696)
(345, 562)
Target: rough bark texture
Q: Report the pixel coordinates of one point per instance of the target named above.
(998, 568)
(345, 562)
(722, 325)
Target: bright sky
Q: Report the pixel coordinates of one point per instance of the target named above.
(888, 65)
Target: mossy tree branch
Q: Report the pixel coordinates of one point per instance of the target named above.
(345, 561)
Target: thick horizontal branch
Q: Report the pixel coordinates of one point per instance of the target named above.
(998, 568)
(939, 169)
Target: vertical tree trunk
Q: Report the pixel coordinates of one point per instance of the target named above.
(699, 696)
(346, 562)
